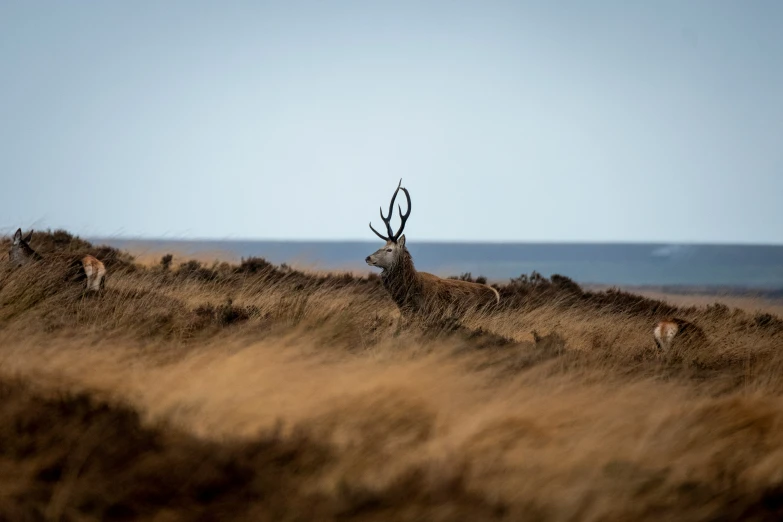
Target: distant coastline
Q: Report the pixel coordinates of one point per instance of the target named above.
(708, 269)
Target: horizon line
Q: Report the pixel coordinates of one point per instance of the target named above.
(94, 238)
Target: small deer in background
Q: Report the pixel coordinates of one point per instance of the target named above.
(684, 332)
(419, 292)
(21, 254)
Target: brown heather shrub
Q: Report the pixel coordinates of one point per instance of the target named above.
(255, 265)
(467, 276)
(259, 392)
(227, 313)
(58, 452)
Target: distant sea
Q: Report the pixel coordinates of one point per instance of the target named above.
(638, 264)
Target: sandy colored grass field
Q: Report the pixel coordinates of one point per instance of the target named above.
(253, 393)
(746, 303)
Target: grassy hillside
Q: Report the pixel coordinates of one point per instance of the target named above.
(257, 392)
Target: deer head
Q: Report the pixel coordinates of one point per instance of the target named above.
(387, 256)
(20, 252)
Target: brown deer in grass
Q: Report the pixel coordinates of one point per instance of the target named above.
(90, 267)
(21, 253)
(419, 293)
(673, 329)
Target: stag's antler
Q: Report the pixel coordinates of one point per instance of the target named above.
(403, 217)
(387, 219)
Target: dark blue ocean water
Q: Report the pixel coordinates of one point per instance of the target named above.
(611, 264)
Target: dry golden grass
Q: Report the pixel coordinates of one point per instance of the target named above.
(281, 396)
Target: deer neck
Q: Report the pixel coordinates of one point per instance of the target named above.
(401, 281)
(31, 254)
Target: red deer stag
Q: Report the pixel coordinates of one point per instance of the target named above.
(420, 293)
(684, 332)
(91, 268)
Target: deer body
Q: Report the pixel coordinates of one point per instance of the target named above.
(417, 292)
(94, 271)
(92, 268)
(671, 329)
(424, 293)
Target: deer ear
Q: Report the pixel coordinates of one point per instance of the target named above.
(18, 235)
(29, 237)
(401, 240)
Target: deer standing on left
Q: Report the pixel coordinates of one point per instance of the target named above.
(21, 253)
(91, 267)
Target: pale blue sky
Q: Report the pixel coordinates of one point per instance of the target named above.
(508, 121)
